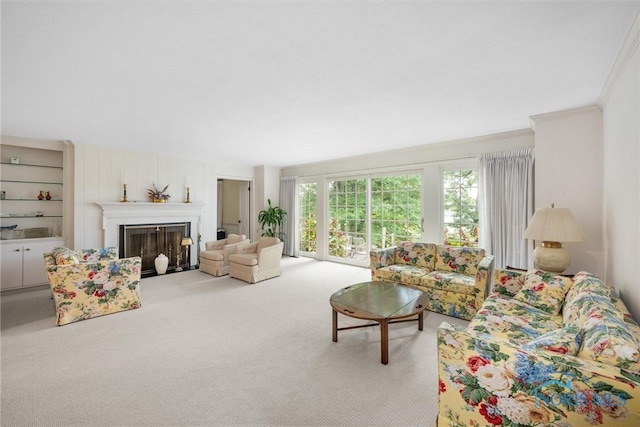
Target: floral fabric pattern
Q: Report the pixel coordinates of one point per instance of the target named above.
(518, 365)
(566, 340)
(507, 282)
(91, 289)
(545, 291)
(458, 259)
(64, 256)
(457, 292)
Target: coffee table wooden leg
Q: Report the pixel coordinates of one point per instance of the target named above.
(420, 320)
(335, 325)
(384, 341)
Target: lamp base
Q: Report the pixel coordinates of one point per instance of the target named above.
(551, 259)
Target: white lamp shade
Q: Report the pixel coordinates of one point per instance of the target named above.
(554, 225)
(186, 241)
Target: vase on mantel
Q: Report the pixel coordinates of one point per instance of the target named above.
(162, 262)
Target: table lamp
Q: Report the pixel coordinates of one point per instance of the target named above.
(553, 226)
(186, 242)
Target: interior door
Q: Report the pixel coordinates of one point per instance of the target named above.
(244, 193)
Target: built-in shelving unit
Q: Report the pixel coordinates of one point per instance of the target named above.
(25, 174)
(31, 226)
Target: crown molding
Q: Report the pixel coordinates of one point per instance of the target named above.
(629, 47)
(562, 114)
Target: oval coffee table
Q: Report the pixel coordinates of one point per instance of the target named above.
(383, 302)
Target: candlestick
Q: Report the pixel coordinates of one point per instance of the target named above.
(188, 199)
(124, 195)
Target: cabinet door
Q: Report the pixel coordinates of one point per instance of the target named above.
(34, 273)
(11, 263)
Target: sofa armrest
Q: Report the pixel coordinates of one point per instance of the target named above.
(269, 256)
(232, 249)
(483, 275)
(380, 258)
(215, 245)
(485, 381)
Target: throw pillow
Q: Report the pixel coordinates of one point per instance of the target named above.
(566, 340)
(544, 291)
(64, 256)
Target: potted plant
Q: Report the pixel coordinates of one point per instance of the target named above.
(271, 219)
(158, 196)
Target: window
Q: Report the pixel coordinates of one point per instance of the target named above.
(396, 209)
(460, 204)
(307, 224)
(347, 220)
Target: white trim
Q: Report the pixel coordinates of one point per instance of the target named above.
(115, 214)
(415, 157)
(627, 50)
(562, 114)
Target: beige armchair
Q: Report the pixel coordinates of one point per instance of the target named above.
(257, 261)
(215, 258)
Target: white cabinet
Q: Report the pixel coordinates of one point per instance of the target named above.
(22, 262)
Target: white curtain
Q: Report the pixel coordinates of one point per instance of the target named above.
(505, 198)
(289, 202)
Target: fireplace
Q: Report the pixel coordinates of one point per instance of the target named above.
(189, 215)
(150, 240)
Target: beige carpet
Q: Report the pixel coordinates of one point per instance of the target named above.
(205, 351)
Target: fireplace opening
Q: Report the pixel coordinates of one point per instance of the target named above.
(150, 240)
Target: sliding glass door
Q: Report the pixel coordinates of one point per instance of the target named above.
(372, 212)
(307, 197)
(347, 220)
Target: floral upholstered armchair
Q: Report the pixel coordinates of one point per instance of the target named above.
(92, 282)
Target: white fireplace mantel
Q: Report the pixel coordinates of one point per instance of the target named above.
(115, 214)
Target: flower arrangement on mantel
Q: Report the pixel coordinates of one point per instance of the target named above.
(158, 196)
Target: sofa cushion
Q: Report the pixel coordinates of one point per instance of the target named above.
(583, 308)
(405, 274)
(508, 283)
(458, 259)
(416, 254)
(513, 320)
(455, 282)
(607, 339)
(566, 340)
(65, 256)
(586, 284)
(544, 290)
(244, 259)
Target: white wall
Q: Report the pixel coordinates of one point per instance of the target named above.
(100, 172)
(569, 173)
(620, 102)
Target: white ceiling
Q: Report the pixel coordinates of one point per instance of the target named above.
(281, 83)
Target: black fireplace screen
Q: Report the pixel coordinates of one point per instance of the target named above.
(150, 240)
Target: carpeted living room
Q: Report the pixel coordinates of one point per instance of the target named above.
(320, 213)
(206, 350)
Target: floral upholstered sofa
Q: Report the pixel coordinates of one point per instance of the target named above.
(543, 350)
(455, 278)
(92, 282)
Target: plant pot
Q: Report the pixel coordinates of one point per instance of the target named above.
(159, 200)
